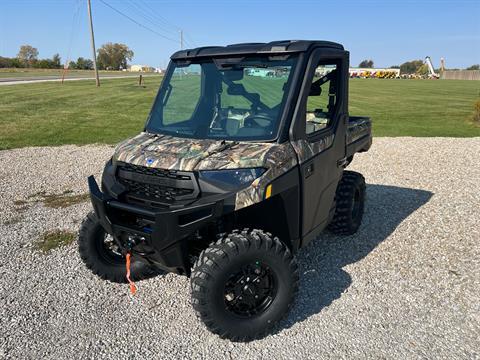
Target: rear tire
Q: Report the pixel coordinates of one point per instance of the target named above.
(244, 284)
(100, 256)
(350, 204)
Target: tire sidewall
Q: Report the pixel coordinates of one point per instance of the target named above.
(274, 312)
(357, 221)
(90, 246)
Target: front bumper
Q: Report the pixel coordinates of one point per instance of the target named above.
(163, 232)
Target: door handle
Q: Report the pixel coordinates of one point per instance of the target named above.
(309, 170)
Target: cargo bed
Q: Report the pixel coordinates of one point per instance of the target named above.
(359, 134)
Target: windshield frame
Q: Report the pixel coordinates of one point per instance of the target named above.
(286, 106)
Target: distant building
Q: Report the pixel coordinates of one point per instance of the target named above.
(141, 68)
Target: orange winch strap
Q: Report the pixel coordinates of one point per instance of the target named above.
(133, 287)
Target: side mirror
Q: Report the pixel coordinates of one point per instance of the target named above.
(315, 90)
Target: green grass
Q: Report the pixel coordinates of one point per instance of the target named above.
(416, 107)
(54, 239)
(73, 113)
(78, 113)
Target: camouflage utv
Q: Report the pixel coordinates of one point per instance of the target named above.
(240, 164)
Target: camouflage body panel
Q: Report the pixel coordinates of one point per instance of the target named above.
(358, 129)
(167, 152)
(306, 150)
(278, 160)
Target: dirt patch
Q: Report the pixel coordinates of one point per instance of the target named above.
(65, 199)
(54, 239)
(14, 220)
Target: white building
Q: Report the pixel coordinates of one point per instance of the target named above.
(141, 68)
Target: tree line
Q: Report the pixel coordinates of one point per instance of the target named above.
(110, 56)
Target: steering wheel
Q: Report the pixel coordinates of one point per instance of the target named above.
(260, 119)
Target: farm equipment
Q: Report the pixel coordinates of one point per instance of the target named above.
(431, 72)
(231, 176)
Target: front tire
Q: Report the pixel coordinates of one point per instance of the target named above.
(350, 204)
(100, 254)
(244, 284)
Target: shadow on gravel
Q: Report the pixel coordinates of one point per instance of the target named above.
(322, 279)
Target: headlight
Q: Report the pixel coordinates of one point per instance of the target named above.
(236, 177)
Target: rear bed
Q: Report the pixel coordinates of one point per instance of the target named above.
(359, 134)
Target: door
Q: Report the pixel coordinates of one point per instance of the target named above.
(320, 143)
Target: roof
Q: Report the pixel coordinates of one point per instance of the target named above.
(283, 46)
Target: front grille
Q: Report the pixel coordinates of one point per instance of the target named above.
(143, 170)
(158, 192)
(160, 185)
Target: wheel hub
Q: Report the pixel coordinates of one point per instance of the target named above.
(250, 290)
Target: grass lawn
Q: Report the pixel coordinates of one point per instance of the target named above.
(73, 113)
(416, 107)
(78, 113)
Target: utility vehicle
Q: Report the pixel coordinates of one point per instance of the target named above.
(240, 164)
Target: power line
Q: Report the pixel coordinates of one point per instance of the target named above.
(136, 22)
(158, 16)
(190, 41)
(145, 14)
(73, 33)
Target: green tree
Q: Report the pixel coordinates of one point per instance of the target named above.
(411, 67)
(10, 62)
(474, 67)
(114, 56)
(56, 61)
(366, 64)
(43, 64)
(81, 64)
(27, 55)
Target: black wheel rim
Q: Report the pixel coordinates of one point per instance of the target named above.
(356, 206)
(250, 290)
(108, 250)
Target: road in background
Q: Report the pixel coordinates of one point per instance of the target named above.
(47, 78)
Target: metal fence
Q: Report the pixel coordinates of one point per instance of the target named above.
(461, 75)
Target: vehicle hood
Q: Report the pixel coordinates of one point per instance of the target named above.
(168, 152)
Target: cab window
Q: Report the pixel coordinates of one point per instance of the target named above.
(322, 98)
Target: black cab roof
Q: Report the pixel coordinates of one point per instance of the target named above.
(274, 47)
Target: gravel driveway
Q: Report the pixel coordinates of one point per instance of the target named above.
(406, 286)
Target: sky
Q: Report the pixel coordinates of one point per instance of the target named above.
(388, 32)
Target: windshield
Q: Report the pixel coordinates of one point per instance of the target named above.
(227, 99)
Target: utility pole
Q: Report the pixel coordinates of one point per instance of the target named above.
(97, 80)
(181, 39)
